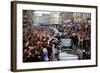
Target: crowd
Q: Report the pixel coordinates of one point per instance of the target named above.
(40, 43)
(80, 34)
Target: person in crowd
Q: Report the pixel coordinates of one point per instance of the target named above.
(49, 48)
(45, 51)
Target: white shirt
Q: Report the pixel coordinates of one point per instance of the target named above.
(46, 54)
